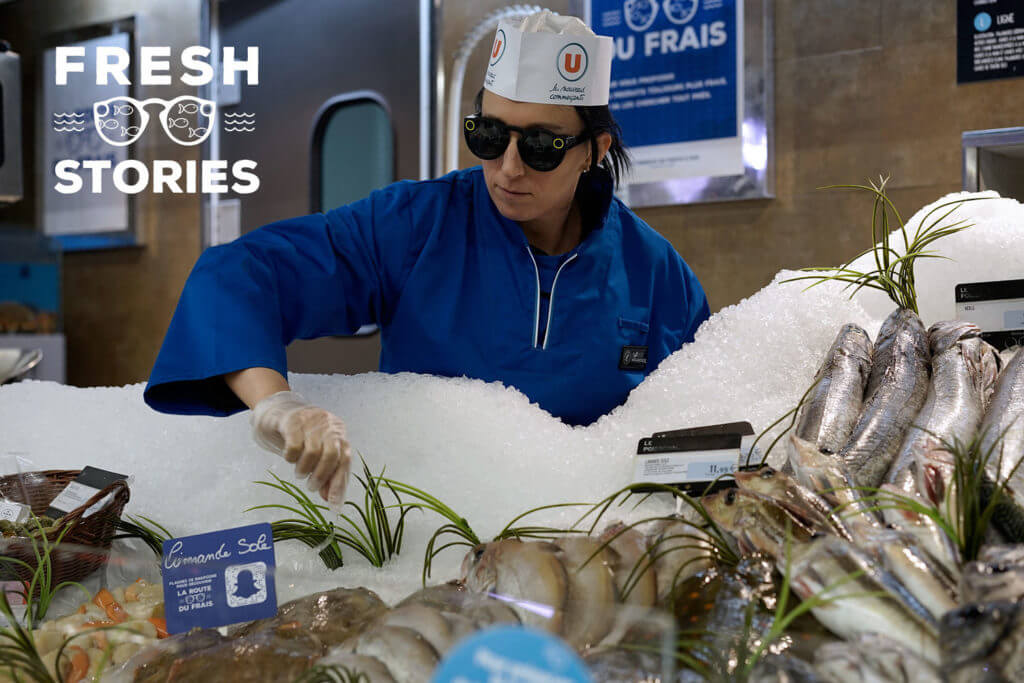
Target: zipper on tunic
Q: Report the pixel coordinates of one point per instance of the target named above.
(551, 301)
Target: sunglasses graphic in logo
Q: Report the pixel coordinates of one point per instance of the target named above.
(572, 62)
(640, 14)
(498, 50)
(121, 120)
(680, 11)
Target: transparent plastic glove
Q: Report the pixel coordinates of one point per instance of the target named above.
(310, 437)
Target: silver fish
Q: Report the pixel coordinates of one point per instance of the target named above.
(831, 568)
(529, 576)
(591, 603)
(1002, 442)
(827, 417)
(964, 372)
(895, 393)
(786, 491)
(872, 658)
(932, 537)
(828, 476)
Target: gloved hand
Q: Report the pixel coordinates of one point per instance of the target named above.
(314, 439)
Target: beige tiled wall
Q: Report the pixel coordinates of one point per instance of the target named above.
(862, 88)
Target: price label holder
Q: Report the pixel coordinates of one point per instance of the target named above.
(996, 307)
(87, 484)
(695, 459)
(219, 578)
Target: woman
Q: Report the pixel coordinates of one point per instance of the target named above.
(525, 270)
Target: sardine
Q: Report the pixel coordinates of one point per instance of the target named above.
(591, 604)
(831, 410)
(997, 574)
(983, 642)
(895, 393)
(850, 583)
(872, 658)
(1002, 443)
(631, 551)
(796, 498)
(923, 576)
(928, 533)
(530, 577)
(964, 372)
(827, 476)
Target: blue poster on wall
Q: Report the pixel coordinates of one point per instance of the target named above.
(677, 83)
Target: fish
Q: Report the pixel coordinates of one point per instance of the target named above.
(757, 523)
(787, 492)
(592, 600)
(360, 667)
(923, 576)
(1002, 443)
(872, 658)
(529, 576)
(983, 642)
(828, 477)
(964, 372)
(832, 568)
(631, 549)
(679, 550)
(453, 599)
(830, 412)
(895, 392)
(997, 574)
(408, 656)
(931, 537)
(783, 668)
(427, 621)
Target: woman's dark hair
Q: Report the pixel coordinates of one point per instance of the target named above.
(596, 120)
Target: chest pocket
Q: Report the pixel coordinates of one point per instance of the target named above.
(634, 327)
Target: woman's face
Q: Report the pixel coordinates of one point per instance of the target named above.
(521, 193)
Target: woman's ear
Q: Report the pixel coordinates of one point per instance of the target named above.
(604, 143)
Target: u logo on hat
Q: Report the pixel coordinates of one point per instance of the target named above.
(498, 50)
(572, 62)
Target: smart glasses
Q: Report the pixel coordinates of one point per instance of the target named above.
(187, 120)
(540, 149)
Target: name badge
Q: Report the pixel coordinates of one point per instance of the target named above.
(633, 358)
(219, 578)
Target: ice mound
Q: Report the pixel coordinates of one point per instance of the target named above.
(482, 448)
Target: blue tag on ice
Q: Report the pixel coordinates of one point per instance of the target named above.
(219, 578)
(511, 653)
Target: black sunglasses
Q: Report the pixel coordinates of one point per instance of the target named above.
(540, 149)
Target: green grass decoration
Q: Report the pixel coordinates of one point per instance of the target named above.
(967, 515)
(18, 654)
(894, 272)
(150, 532)
(309, 524)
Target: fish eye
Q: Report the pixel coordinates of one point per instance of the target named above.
(767, 473)
(478, 552)
(730, 496)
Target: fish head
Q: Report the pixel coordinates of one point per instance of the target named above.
(767, 481)
(972, 632)
(479, 567)
(944, 335)
(934, 472)
(722, 508)
(983, 364)
(855, 343)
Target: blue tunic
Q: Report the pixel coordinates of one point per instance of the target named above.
(455, 289)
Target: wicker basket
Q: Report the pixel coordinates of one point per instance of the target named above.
(92, 535)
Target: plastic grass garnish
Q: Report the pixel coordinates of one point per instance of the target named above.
(150, 532)
(370, 531)
(309, 524)
(894, 271)
(18, 654)
(971, 501)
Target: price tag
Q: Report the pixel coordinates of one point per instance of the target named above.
(996, 307)
(219, 578)
(87, 484)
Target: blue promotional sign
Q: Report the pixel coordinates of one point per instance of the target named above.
(676, 83)
(220, 578)
(511, 653)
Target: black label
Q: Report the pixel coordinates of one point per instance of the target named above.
(683, 444)
(633, 358)
(741, 428)
(90, 478)
(989, 291)
(989, 39)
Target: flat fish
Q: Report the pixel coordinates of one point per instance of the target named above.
(896, 391)
(591, 604)
(831, 410)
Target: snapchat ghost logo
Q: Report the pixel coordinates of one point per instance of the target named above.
(246, 584)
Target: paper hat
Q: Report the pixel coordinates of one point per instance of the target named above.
(550, 59)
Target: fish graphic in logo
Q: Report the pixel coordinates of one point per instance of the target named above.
(498, 49)
(113, 119)
(572, 62)
(680, 11)
(640, 14)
